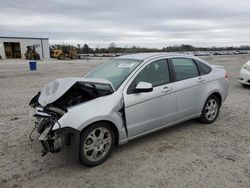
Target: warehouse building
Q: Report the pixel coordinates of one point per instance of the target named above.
(16, 47)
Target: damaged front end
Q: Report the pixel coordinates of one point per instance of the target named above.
(45, 119)
(52, 103)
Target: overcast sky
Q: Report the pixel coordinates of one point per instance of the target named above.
(155, 23)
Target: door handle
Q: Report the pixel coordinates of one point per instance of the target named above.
(200, 79)
(167, 89)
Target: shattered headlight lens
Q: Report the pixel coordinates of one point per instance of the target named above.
(34, 120)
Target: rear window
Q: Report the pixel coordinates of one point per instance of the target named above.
(184, 68)
(203, 68)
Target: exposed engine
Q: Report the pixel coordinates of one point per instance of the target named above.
(79, 93)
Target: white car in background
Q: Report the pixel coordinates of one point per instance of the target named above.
(244, 77)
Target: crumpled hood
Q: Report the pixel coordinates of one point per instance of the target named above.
(55, 89)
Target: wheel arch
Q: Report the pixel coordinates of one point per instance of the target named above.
(113, 126)
(218, 95)
(202, 117)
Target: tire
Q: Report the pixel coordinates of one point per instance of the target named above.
(95, 147)
(245, 85)
(73, 57)
(61, 57)
(210, 110)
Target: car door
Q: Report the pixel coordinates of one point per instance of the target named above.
(148, 111)
(189, 87)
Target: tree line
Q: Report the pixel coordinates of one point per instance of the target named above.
(112, 48)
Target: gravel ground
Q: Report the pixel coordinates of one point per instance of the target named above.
(187, 155)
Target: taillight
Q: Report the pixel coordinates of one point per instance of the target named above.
(226, 75)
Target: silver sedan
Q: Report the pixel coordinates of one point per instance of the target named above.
(125, 98)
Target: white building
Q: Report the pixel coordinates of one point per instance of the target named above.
(15, 47)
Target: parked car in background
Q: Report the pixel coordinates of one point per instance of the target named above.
(244, 77)
(125, 98)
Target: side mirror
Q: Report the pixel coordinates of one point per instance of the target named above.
(143, 87)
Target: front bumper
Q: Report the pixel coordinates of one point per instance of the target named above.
(54, 140)
(244, 77)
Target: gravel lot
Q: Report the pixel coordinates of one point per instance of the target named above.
(187, 155)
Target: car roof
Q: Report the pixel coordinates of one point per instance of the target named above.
(144, 56)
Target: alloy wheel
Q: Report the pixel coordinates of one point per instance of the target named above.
(97, 144)
(211, 109)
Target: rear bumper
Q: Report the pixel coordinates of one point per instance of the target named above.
(244, 77)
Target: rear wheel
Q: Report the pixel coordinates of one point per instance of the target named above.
(210, 110)
(61, 57)
(97, 143)
(245, 85)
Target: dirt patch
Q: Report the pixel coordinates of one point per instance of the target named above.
(165, 147)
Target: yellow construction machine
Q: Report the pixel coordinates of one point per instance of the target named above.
(31, 53)
(63, 53)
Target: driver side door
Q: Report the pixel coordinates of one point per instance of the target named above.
(149, 111)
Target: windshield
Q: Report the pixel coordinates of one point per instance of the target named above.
(116, 70)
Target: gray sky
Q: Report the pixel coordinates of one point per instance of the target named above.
(155, 23)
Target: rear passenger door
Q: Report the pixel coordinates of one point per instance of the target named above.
(188, 87)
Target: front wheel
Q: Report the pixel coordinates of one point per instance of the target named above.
(210, 110)
(97, 143)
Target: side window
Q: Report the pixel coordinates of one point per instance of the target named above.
(156, 73)
(184, 68)
(203, 68)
